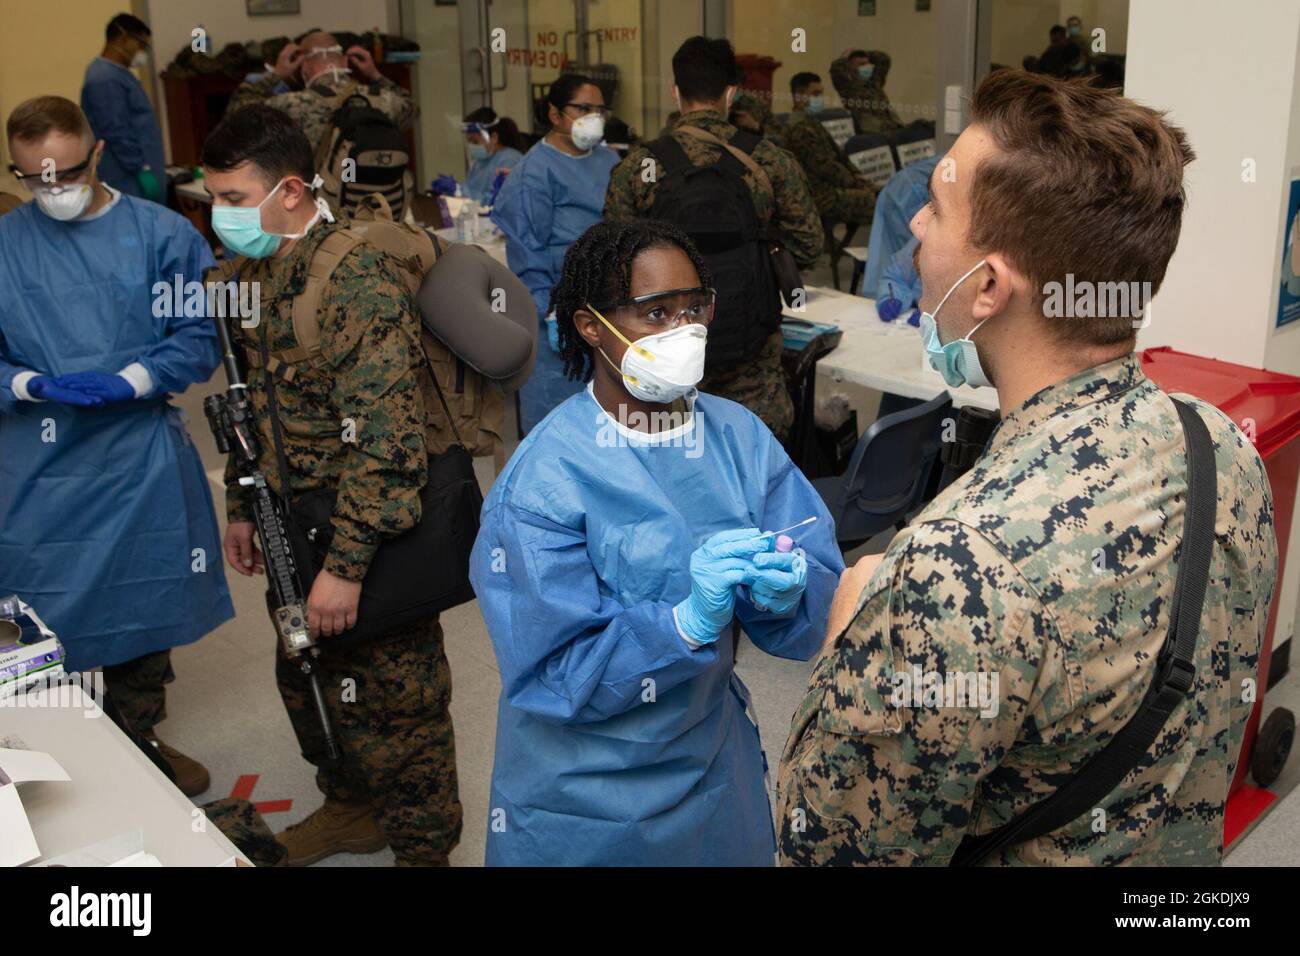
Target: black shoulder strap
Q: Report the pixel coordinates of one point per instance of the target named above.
(669, 152)
(745, 141)
(1175, 671)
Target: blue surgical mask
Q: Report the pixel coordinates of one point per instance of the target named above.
(816, 104)
(958, 361)
(240, 227)
(866, 70)
(477, 151)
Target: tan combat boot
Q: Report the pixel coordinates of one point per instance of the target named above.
(191, 776)
(337, 827)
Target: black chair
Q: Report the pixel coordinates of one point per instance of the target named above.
(801, 381)
(835, 245)
(914, 141)
(889, 474)
(839, 123)
(872, 155)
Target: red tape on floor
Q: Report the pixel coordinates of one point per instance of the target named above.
(243, 789)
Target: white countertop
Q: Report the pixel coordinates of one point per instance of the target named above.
(886, 356)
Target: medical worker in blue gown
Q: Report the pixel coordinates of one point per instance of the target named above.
(549, 199)
(617, 546)
(106, 520)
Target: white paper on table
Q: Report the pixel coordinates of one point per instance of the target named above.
(17, 842)
(123, 849)
(26, 766)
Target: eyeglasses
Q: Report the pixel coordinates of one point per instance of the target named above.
(586, 109)
(32, 181)
(666, 310)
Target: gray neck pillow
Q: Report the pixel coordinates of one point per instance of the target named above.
(456, 303)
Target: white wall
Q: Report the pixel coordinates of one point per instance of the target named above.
(1220, 293)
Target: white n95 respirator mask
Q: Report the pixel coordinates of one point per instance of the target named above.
(64, 203)
(661, 367)
(588, 131)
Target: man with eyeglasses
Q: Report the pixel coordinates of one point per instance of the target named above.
(120, 114)
(106, 519)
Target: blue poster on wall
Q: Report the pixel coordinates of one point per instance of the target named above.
(1288, 302)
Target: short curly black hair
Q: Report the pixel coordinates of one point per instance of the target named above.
(598, 270)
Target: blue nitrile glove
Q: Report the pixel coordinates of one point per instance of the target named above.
(718, 567)
(778, 581)
(444, 185)
(553, 333)
(49, 390)
(107, 387)
(150, 188)
(889, 309)
(914, 320)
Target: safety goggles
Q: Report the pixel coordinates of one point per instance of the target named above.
(661, 311)
(479, 127)
(588, 109)
(324, 51)
(59, 177)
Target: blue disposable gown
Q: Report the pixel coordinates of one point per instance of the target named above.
(584, 550)
(107, 530)
(121, 115)
(898, 202)
(549, 199)
(482, 172)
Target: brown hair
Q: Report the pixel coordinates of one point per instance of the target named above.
(1086, 182)
(34, 119)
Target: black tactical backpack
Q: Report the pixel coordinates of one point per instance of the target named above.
(364, 153)
(714, 207)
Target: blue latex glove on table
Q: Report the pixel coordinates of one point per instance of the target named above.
(444, 185)
(718, 566)
(778, 581)
(889, 309)
(108, 388)
(47, 389)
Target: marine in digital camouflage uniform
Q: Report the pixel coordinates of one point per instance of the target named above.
(752, 110)
(759, 385)
(866, 99)
(1050, 564)
(396, 737)
(244, 827)
(313, 108)
(840, 191)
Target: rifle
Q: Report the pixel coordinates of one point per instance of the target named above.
(230, 417)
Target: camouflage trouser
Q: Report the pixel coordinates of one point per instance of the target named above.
(393, 725)
(852, 205)
(244, 827)
(138, 688)
(759, 386)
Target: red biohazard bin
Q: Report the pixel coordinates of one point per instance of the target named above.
(1266, 406)
(758, 73)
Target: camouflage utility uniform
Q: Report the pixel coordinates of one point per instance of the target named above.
(243, 826)
(394, 727)
(866, 99)
(1050, 565)
(840, 191)
(313, 108)
(759, 385)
